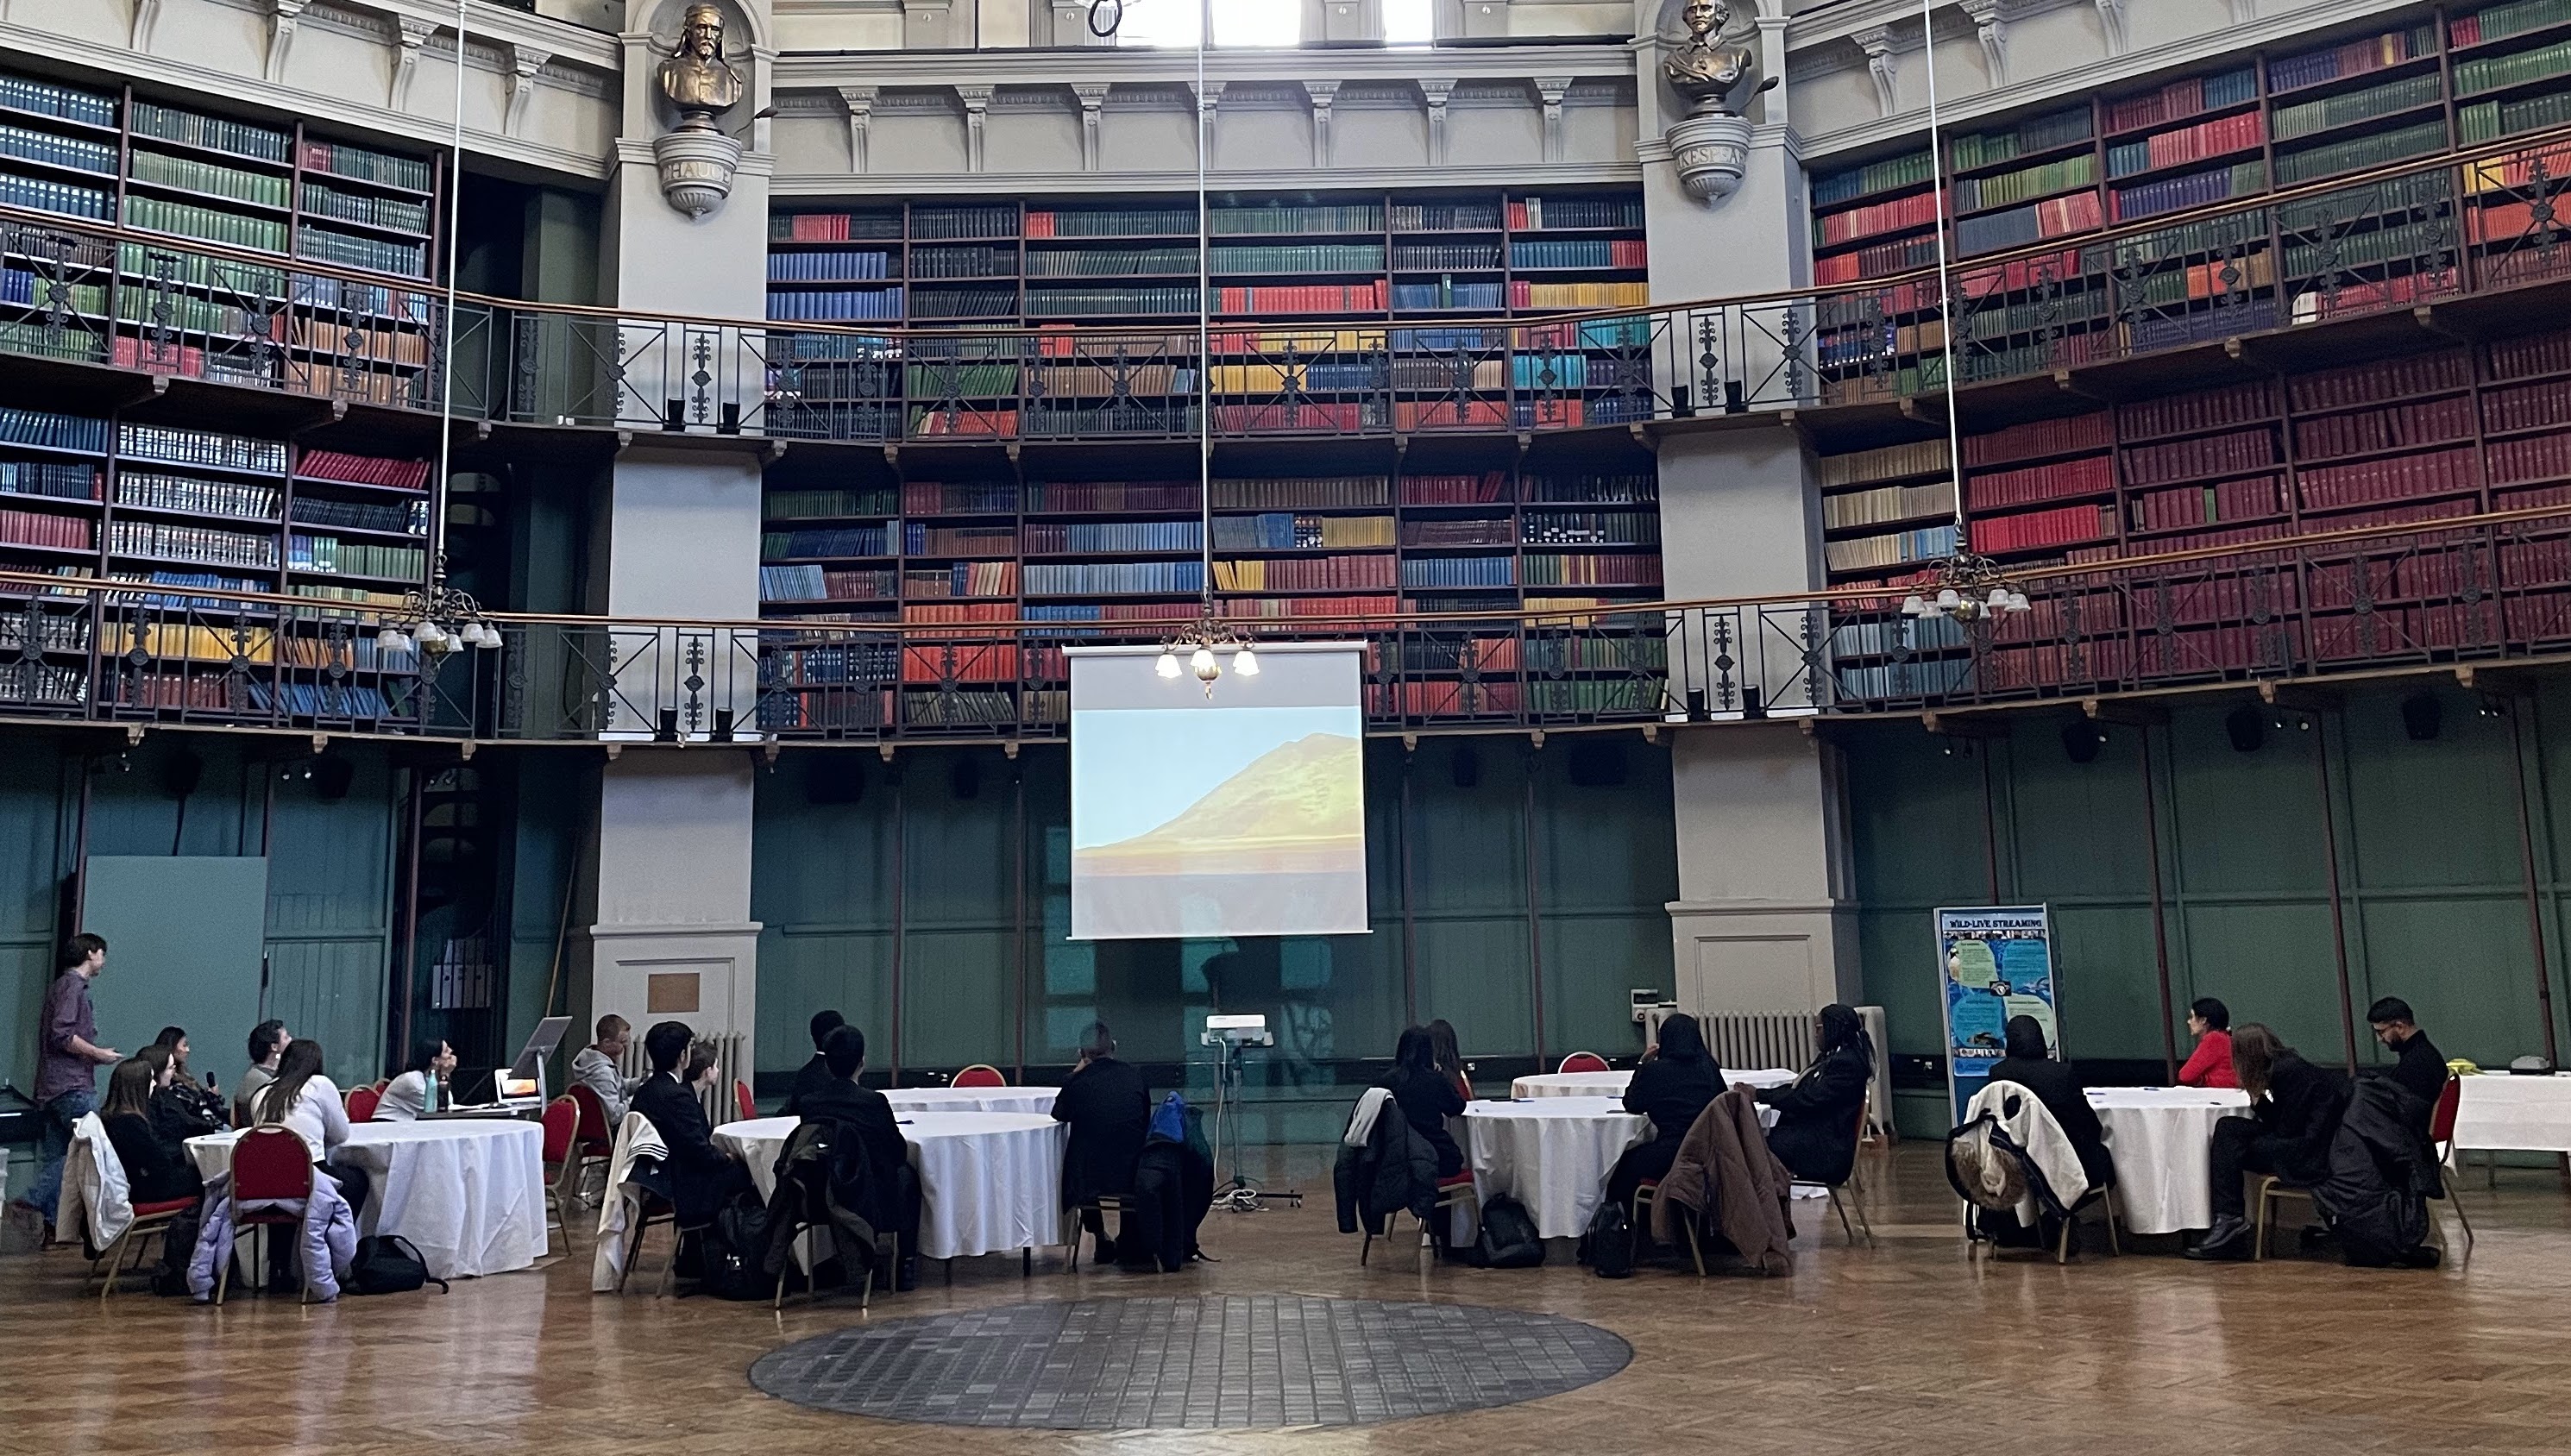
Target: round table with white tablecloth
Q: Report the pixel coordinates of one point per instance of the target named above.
(2498, 1112)
(989, 1183)
(1613, 1084)
(2158, 1137)
(972, 1098)
(1551, 1154)
(468, 1192)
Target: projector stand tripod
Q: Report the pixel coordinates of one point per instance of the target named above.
(1241, 1193)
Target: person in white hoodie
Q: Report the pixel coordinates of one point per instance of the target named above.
(307, 1104)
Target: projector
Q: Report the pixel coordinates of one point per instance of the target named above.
(1237, 1032)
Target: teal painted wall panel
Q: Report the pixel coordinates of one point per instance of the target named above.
(2430, 873)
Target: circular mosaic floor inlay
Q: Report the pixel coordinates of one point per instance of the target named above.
(1191, 1363)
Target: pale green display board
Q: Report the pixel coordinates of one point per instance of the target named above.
(186, 936)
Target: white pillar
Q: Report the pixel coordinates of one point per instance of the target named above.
(674, 938)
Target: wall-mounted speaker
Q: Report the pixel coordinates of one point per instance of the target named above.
(834, 778)
(2422, 714)
(1467, 766)
(332, 775)
(181, 773)
(2081, 741)
(1596, 763)
(2246, 728)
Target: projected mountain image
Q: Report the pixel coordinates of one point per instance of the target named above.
(1276, 848)
(1298, 806)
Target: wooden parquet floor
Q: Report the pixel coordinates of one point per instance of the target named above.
(1908, 1346)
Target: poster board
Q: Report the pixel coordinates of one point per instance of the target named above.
(1993, 963)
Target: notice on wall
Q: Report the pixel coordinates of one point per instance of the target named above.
(1993, 963)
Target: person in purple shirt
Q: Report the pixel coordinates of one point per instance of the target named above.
(67, 1069)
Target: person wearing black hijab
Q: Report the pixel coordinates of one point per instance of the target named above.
(1671, 1088)
(2030, 1065)
(1816, 1132)
(1426, 1096)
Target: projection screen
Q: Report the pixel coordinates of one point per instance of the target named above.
(1235, 813)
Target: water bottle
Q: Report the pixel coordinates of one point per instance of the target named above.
(428, 1092)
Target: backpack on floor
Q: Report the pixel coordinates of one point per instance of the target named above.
(1608, 1246)
(733, 1251)
(1508, 1240)
(387, 1264)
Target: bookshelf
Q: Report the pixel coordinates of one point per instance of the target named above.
(171, 509)
(2420, 435)
(2288, 116)
(1433, 269)
(187, 175)
(961, 558)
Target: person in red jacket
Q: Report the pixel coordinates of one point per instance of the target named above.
(2209, 1022)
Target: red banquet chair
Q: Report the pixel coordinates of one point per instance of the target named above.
(363, 1102)
(268, 1162)
(1584, 1062)
(562, 1164)
(741, 1099)
(980, 1075)
(2442, 1139)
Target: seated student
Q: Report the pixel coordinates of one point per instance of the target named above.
(2209, 1022)
(862, 1113)
(815, 1074)
(703, 1177)
(1450, 1056)
(1816, 1132)
(2294, 1109)
(1672, 1087)
(186, 1109)
(1425, 1096)
(156, 1165)
(405, 1098)
(2422, 1070)
(266, 1043)
(594, 1067)
(2030, 1065)
(1108, 1107)
(307, 1104)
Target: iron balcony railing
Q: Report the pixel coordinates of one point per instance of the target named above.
(2479, 589)
(2476, 221)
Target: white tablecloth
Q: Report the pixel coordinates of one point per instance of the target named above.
(1613, 1084)
(468, 1192)
(989, 1183)
(2514, 1114)
(2159, 1136)
(972, 1098)
(1551, 1154)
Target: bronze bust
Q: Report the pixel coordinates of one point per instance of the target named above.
(696, 77)
(1701, 70)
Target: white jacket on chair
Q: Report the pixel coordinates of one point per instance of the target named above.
(635, 1137)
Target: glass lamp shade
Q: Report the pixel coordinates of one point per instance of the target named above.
(1246, 662)
(1167, 666)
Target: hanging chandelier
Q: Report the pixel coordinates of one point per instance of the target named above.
(438, 621)
(1204, 646)
(1965, 588)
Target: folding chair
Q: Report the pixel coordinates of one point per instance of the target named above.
(2273, 1191)
(594, 1142)
(1854, 1187)
(1452, 1192)
(1646, 1193)
(741, 1099)
(1102, 1206)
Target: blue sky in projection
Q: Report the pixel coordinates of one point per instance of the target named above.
(1134, 769)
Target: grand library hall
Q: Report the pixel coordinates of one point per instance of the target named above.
(1287, 726)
